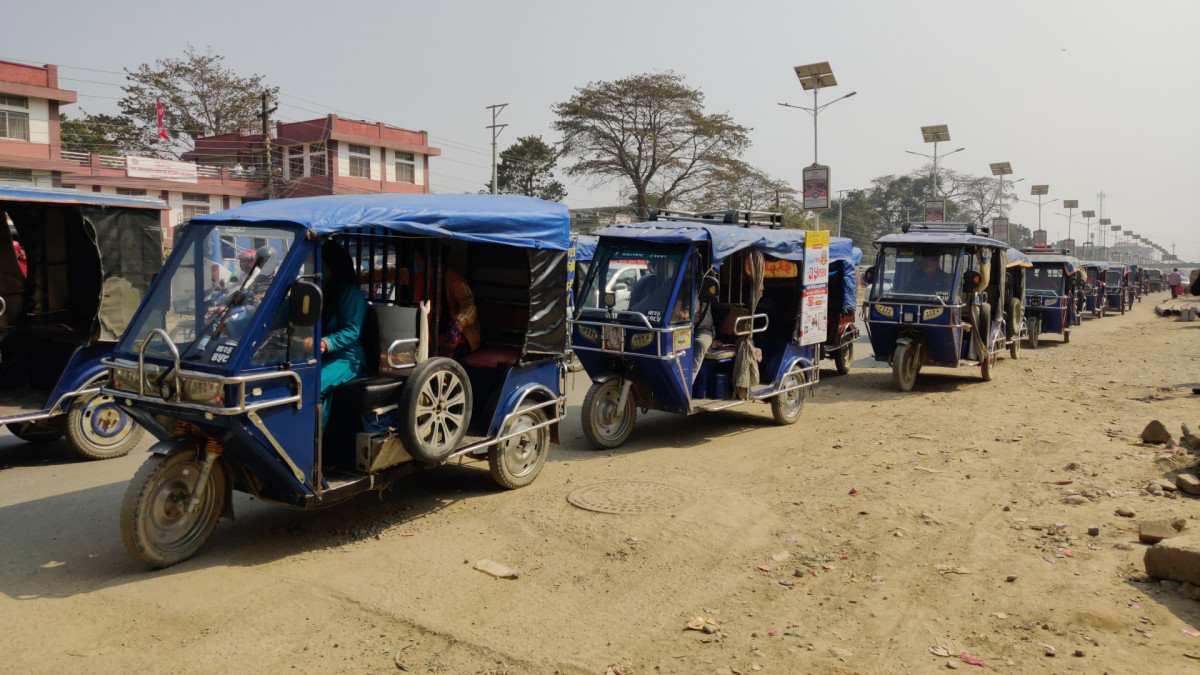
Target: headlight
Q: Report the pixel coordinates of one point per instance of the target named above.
(641, 340)
(589, 333)
(124, 379)
(201, 391)
(885, 310)
(932, 313)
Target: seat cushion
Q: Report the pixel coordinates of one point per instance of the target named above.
(492, 357)
(368, 392)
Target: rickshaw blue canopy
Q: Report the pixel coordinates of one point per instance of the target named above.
(1071, 264)
(785, 244)
(64, 196)
(511, 220)
(936, 238)
(585, 246)
(1101, 265)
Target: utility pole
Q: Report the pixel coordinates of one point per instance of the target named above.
(839, 194)
(496, 128)
(266, 131)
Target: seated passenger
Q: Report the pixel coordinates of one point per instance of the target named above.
(342, 317)
(931, 280)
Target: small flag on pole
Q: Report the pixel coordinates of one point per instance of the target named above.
(162, 130)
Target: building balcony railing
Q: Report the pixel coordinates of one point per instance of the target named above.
(117, 162)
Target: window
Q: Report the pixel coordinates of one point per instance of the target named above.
(296, 161)
(316, 159)
(14, 125)
(195, 197)
(405, 167)
(19, 175)
(360, 161)
(14, 101)
(190, 211)
(194, 204)
(130, 192)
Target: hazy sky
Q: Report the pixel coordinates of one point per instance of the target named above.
(1087, 96)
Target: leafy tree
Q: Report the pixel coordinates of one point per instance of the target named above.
(200, 97)
(650, 132)
(99, 134)
(527, 168)
(737, 185)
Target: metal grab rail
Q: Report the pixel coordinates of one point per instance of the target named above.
(560, 415)
(141, 371)
(183, 375)
(752, 318)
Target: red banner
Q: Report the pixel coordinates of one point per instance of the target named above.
(162, 130)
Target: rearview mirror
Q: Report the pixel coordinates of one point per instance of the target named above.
(304, 304)
(710, 289)
(869, 276)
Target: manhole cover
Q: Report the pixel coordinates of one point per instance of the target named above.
(628, 497)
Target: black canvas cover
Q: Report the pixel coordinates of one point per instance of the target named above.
(547, 333)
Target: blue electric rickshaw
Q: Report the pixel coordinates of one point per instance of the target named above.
(939, 296)
(1052, 287)
(843, 305)
(735, 279)
(1117, 287)
(238, 406)
(1094, 297)
(89, 259)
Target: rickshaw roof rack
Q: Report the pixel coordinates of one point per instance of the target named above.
(771, 219)
(940, 226)
(1046, 250)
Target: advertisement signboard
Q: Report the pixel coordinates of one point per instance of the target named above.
(1069, 246)
(1039, 238)
(816, 187)
(935, 210)
(162, 169)
(1000, 227)
(814, 305)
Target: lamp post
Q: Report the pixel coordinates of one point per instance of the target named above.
(814, 77)
(1039, 191)
(1089, 215)
(935, 134)
(1070, 205)
(1002, 169)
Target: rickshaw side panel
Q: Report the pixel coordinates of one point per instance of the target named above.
(519, 380)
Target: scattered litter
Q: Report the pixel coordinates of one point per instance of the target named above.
(765, 568)
(853, 491)
(921, 436)
(1067, 552)
(781, 556)
(495, 569)
(53, 563)
(1059, 482)
(1190, 631)
(1048, 559)
(938, 650)
(1093, 546)
(970, 660)
(703, 625)
(1014, 439)
(947, 569)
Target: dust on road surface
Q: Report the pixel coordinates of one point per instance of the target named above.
(878, 527)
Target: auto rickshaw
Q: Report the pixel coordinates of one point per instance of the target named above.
(1095, 298)
(1014, 288)
(89, 260)
(1116, 287)
(239, 407)
(1137, 283)
(1052, 286)
(938, 297)
(1156, 281)
(724, 317)
(843, 304)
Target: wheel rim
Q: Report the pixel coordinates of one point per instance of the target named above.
(169, 527)
(908, 365)
(441, 410)
(610, 422)
(790, 402)
(104, 425)
(521, 453)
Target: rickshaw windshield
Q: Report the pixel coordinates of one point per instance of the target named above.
(1113, 277)
(640, 275)
(917, 271)
(1091, 275)
(1045, 279)
(207, 294)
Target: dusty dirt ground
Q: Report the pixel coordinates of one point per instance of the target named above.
(879, 526)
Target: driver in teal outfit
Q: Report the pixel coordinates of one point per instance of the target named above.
(342, 317)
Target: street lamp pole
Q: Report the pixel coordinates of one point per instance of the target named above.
(1002, 169)
(815, 77)
(1070, 205)
(839, 194)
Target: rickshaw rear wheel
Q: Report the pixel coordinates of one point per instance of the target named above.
(1035, 328)
(604, 426)
(786, 407)
(435, 409)
(1066, 336)
(515, 462)
(844, 358)
(1014, 347)
(906, 363)
(41, 431)
(155, 526)
(98, 429)
(988, 363)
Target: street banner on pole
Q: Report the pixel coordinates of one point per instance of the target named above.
(814, 307)
(816, 187)
(1069, 246)
(1039, 238)
(935, 210)
(1000, 227)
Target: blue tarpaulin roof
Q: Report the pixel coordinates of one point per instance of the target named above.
(498, 219)
(585, 246)
(65, 196)
(786, 244)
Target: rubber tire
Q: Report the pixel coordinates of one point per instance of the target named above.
(148, 483)
(1014, 348)
(1066, 337)
(41, 431)
(1013, 329)
(844, 358)
(1034, 332)
(987, 365)
(412, 400)
(905, 366)
(1122, 306)
(82, 446)
(591, 429)
(511, 466)
(784, 410)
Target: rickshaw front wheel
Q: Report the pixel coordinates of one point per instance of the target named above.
(156, 527)
(786, 407)
(98, 429)
(604, 425)
(988, 364)
(516, 461)
(844, 357)
(1035, 329)
(906, 363)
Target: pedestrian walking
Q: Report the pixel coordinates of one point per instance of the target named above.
(1176, 284)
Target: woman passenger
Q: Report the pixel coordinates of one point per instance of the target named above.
(342, 317)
